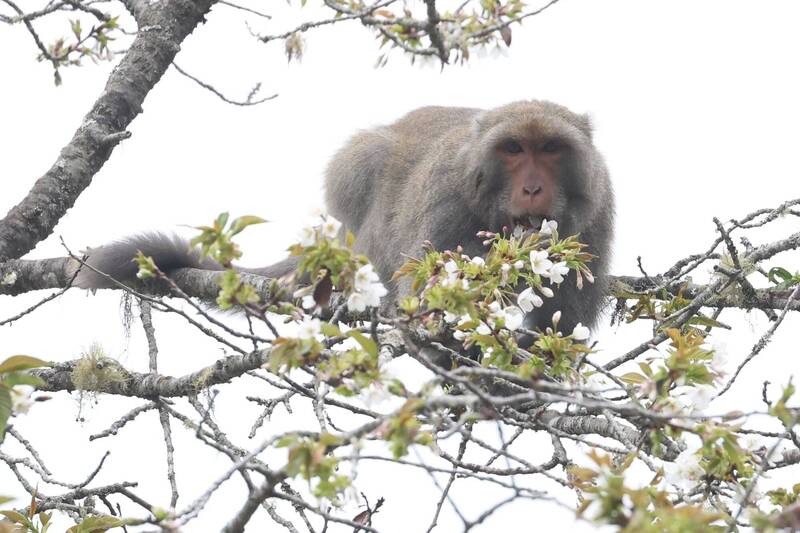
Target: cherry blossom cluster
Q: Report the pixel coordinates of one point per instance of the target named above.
(367, 290)
(539, 265)
(362, 285)
(329, 229)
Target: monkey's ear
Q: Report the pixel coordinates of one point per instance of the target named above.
(478, 122)
(585, 125)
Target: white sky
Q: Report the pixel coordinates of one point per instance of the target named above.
(695, 106)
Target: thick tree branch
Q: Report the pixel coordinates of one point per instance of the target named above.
(162, 28)
(23, 276)
(254, 500)
(153, 385)
(766, 299)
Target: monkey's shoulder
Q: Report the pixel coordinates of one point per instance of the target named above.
(434, 120)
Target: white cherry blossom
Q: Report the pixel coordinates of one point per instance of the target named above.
(548, 227)
(513, 317)
(373, 294)
(527, 300)
(21, 398)
(309, 328)
(719, 359)
(581, 332)
(597, 382)
(505, 268)
(356, 302)
(488, 352)
(699, 397)
(452, 280)
(483, 329)
(685, 472)
(540, 262)
(751, 442)
(308, 236)
(557, 272)
(365, 276)
(376, 395)
(463, 319)
(330, 228)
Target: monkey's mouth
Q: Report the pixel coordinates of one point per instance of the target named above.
(526, 223)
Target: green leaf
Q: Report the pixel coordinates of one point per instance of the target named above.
(21, 378)
(5, 410)
(285, 441)
(96, 524)
(76, 28)
(366, 343)
(329, 330)
(221, 221)
(242, 222)
(779, 272)
(633, 377)
(18, 518)
(146, 266)
(328, 439)
(787, 280)
(343, 390)
(396, 387)
(582, 473)
(160, 513)
(16, 363)
(409, 304)
(705, 321)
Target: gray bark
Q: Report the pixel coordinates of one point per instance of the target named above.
(162, 28)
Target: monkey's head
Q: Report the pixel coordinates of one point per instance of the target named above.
(532, 160)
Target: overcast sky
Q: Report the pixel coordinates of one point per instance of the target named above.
(695, 106)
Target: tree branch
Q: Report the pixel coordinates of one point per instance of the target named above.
(162, 28)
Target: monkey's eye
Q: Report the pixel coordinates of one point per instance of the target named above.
(511, 147)
(552, 146)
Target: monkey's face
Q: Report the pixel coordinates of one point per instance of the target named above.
(521, 181)
(531, 165)
(531, 173)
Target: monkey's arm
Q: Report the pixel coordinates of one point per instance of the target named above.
(169, 252)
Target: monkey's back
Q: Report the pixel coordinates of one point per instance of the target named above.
(378, 181)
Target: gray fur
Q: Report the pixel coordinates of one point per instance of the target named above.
(169, 252)
(433, 176)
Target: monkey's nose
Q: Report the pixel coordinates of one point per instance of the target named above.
(533, 190)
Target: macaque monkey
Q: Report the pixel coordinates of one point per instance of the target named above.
(441, 174)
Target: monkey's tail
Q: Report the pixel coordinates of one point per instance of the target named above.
(169, 252)
(115, 260)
